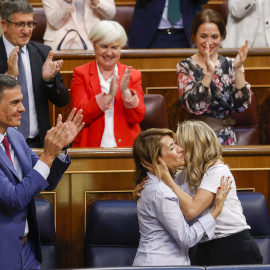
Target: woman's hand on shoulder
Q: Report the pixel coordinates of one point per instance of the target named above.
(241, 56)
(136, 194)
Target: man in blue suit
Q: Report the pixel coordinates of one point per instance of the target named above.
(151, 28)
(23, 175)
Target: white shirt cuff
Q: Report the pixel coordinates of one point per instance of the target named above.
(208, 223)
(42, 168)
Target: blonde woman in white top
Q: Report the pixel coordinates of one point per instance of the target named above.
(199, 179)
(165, 235)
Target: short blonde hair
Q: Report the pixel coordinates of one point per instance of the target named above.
(108, 32)
(202, 149)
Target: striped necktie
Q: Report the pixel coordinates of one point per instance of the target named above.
(24, 127)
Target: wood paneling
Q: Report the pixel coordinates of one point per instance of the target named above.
(99, 174)
(158, 68)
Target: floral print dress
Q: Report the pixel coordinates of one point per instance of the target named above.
(218, 100)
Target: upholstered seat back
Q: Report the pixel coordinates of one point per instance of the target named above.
(45, 218)
(247, 125)
(40, 18)
(256, 211)
(112, 231)
(156, 112)
(112, 234)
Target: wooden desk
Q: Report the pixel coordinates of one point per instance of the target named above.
(99, 174)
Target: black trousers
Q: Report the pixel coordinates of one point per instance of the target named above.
(238, 248)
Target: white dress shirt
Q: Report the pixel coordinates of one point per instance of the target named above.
(165, 234)
(34, 131)
(108, 138)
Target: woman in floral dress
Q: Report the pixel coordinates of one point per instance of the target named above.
(212, 86)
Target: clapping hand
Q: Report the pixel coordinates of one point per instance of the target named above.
(61, 135)
(73, 123)
(241, 56)
(124, 84)
(210, 66)
(113, 88)
(50, 67)
(13, 69)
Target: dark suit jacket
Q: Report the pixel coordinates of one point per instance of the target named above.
(147, 16)
(56, 92)
(17, 198)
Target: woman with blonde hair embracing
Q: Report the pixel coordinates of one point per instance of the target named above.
(196, 186)
(165, 235)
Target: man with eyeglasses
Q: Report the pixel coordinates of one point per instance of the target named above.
(33, 66)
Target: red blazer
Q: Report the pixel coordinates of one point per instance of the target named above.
(85, 86)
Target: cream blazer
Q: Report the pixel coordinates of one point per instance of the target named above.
(243, 22)
(62, 17)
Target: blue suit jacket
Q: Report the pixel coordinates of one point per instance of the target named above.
(17, 198)
(147, 16)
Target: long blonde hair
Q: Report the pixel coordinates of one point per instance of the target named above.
(202, 149)
(147, 147)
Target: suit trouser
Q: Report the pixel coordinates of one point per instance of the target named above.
(28, 259)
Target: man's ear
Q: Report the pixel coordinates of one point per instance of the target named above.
(4, 25)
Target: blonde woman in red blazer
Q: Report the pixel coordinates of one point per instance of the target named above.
(109, 93)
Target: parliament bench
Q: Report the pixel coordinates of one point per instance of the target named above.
(112, 230)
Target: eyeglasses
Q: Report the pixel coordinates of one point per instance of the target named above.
(21, 25)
